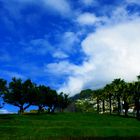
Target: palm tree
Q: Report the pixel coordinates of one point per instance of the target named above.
(135, 92)
(109, 93)
(98, 98)
(137, 96)
(103, 99)
(118, 87)
(127, 96)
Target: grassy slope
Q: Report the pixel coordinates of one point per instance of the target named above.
(65, 125)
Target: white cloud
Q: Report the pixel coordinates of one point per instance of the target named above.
(133, 1)
(87, 19)
(61, 50)
(61, 6)
(60, 55)
(113, 52)
(67, 42)
(79, 77)
(4, 111)
(61, 68)
(39, 46)
(121, 14)
(89, 2)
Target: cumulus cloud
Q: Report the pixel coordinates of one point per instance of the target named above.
(113, 52)
(87, 19)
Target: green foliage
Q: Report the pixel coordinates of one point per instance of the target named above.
(62, 101)
(117, 97)
(86, 93)
(18, 94)
(114, 97)
(3, 90)
(84, 105)
(3, 86)
(23, 94)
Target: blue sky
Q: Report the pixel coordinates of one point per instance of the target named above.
(70, 45)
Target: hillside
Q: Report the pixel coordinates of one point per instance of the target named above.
(68, 125)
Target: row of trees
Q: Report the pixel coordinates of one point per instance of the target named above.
(117, 97)
(23, 94)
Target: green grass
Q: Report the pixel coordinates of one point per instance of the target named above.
(67, 126)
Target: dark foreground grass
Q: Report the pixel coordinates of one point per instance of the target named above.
(68, 126)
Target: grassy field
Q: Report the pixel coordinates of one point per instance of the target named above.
(68, 126)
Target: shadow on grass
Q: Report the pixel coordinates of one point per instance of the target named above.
(74, 138)
(95, 138)
(6, 117)
(39, 114)
(123, 116)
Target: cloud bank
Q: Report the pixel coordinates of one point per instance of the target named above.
(112, 52)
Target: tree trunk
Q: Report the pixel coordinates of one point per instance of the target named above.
(119, 106)
(39, 109)
(49, 110)
(21, 111)
(126, 107)
(137, 108)
(26, 106)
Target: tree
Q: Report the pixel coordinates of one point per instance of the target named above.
(43, 97)
(63, 101)
(40, 98)
(118, 87)
(3, 89)
(97, 95)
(51, 100)
(86, 93)
(109, 93)
(18, 94)
(126, 96)
(137, 97)
(103, 98)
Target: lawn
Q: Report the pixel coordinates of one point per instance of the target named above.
(68, 126)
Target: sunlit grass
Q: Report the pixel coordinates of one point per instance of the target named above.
(66, 125)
